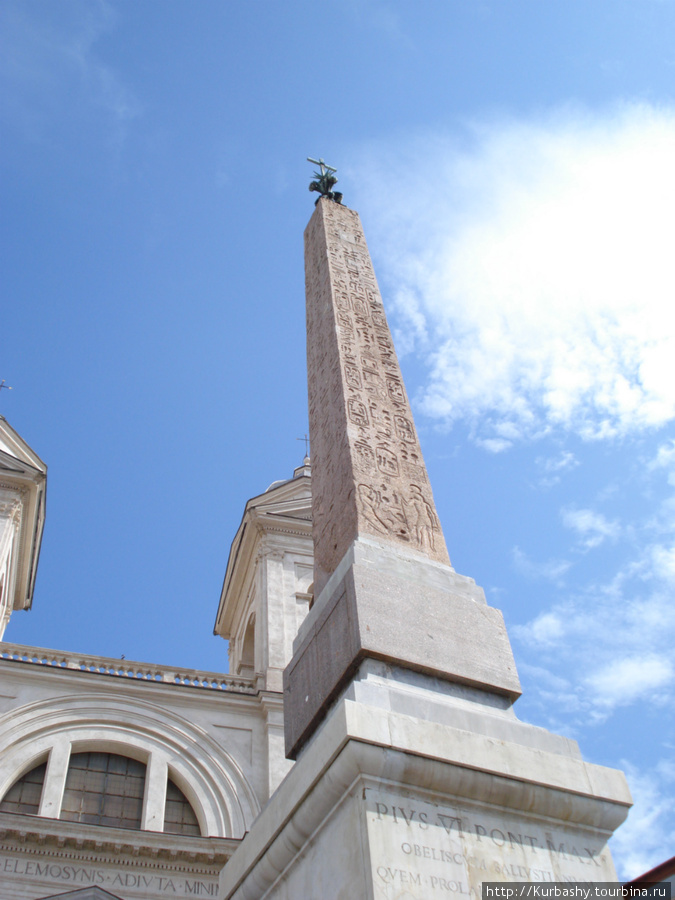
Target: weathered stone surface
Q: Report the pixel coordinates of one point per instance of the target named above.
(386, 805)
(369, 475)
(378, 613)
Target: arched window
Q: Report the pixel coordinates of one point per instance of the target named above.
(179, 816)
(156, 746)
(24, 795)
(104, 789)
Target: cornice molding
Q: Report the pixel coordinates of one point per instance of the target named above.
(22, 489)
(31, 835)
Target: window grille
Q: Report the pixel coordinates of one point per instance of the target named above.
(24, 795)
(104, 789)
(179, 816)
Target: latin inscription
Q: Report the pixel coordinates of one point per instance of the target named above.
(430, 850)
(53, 872)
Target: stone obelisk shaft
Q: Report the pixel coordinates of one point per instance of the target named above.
(368, 474)
(384, 590)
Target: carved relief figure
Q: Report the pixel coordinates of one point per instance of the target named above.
(393, 512)
(384, 511)
(371, 500)
(423, 519)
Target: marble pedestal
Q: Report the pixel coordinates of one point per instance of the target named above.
(412, 789)
(400, 608)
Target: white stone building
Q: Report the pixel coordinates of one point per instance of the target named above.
(129, 780)
(23, 477)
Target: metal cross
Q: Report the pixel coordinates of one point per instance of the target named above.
(305, 438)
(325, 170)
(8, 387)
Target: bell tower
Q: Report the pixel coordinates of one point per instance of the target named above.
(268, 586)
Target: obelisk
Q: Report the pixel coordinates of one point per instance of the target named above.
(383, 582)
(368, 474)
(414, 778)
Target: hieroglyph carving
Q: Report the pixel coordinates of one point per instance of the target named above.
(368, 471)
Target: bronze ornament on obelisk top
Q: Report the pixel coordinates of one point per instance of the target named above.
(383, 585)
(368, 474)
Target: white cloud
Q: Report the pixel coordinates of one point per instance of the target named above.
(592, 527)
(611, 643)
(647, 837)
(547, 629)
(663, 561)
(495, 445)
(622, 681)
(611, 638)
(538, 254)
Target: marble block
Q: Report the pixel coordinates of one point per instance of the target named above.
(406, 611)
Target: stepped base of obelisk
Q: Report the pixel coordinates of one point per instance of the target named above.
(417, 780)
(387, 803)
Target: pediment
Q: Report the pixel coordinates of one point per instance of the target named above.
(294, 508)
(9, 464)
(284, 512)
(22, 481)
(287, 499)
(16, 457)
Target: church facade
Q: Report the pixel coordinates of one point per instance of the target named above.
(128, 779)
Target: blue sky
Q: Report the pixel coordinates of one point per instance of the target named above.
(513, 164)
